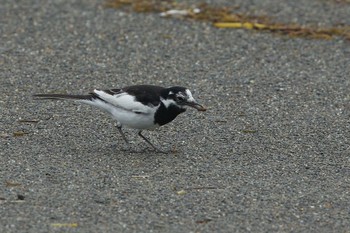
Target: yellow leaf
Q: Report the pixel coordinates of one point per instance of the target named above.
(181, 192)
(228, 25)
(248, 25)
(260, 26)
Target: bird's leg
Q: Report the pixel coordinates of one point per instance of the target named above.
(144, 138)
(119, 127)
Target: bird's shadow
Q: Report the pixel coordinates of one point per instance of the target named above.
(141, 150)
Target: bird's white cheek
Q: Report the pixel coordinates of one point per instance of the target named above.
(190, 97)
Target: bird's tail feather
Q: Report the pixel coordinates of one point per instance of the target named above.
(62, 97)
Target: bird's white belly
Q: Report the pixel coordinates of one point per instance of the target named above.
(125, 117)
(134, 120)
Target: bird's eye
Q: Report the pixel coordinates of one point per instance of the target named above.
(179, 98)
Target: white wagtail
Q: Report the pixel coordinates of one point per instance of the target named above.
(139, 107)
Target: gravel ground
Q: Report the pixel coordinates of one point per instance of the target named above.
(270, 155)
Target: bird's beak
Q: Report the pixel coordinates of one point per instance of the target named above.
(196, 106)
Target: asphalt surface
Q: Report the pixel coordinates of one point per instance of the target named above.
(270, 155)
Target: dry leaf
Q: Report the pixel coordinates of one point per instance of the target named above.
(19, 134)
(64, 225)
(223, 17)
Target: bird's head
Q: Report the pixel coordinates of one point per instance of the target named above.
(180, 97)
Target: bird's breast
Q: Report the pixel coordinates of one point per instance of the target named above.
(164, 115)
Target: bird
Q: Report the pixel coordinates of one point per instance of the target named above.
(141, 107)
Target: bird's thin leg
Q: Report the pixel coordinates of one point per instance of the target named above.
(144, 138)
(119, 127)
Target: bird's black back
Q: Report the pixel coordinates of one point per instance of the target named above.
(146, 94)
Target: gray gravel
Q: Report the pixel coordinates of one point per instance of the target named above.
(270, 155)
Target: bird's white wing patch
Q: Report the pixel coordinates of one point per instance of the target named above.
(124, 101)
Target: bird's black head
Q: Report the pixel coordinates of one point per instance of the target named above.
(180, 97)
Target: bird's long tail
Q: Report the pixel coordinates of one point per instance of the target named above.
(63, 97)
(90, 99)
